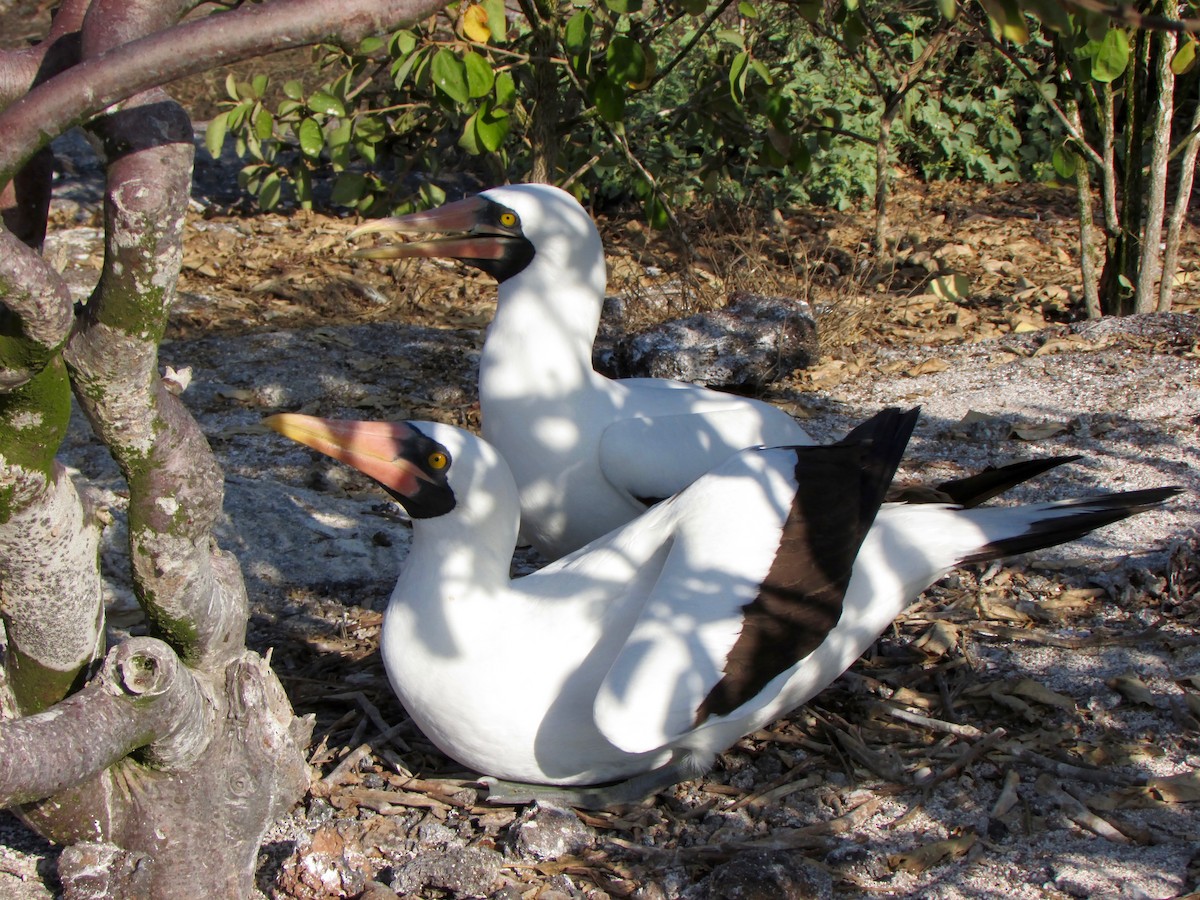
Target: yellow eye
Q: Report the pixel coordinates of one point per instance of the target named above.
(437, 460)
(508, 220)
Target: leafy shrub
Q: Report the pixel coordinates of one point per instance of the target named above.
(662, 105)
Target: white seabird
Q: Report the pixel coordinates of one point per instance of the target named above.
(640, 657)
(588, 452)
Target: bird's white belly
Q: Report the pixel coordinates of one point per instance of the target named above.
(501, 699)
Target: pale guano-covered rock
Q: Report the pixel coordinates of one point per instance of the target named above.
(464, 871)
(548, 832)
(754, 340)
(769, 875)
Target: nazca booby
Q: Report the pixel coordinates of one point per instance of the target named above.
(588, 452)
(640, 657)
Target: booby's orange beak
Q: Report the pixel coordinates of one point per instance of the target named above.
(485, 234)
(377, 449)
(463, 218)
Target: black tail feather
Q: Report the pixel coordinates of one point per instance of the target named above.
(1086, 515)
(887, 434)
(995, 480)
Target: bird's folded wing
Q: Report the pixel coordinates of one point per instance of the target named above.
(655, 456)
(724, 538)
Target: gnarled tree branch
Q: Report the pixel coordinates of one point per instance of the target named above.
(82, 91)
(143, 695)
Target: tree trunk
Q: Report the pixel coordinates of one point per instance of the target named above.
(1183, 199)
(165, 769)
(883, 144)
(545, 113)
(1162, 84)
(1120, 277)
(1087, 231)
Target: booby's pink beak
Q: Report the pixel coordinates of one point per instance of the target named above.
(374, 448)
(461, 218)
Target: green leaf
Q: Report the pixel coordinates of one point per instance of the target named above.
(450, 75)
(402, 68)
(1053, 13)
(747, 9)
(402, 44)
(810, 10)
(469, 139)
(626, 59)
(369, 45)
(656, 213)
(739, 69)
(609, 97)
(214, 135)
(302, 185)
(730, 36)
(480, 76)
(853, 32)
(577, 35)
(231, 86)
(761, 70)
(312, 139)
(1065, 161)
(497, 21)
(270, 191)
(506, 88)
(327, 104)
(348, 188)
(287, 107)
(694, 7)
(779, 109)
(264, 124)
(948, 8)
(624, 7)
(237, 115)
(491, 126)
(340, 136)
(1112, 57)
(801, 159)
(1185, 57)
(369, 129)
(259, 85)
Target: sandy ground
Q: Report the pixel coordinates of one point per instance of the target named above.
(1067, 682)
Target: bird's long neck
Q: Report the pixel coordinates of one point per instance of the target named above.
(444, 563)
(541, 337)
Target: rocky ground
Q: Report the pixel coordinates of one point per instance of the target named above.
(1026, 730)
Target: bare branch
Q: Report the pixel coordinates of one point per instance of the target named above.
(142, 695)
(82, 91)
(1162, 47)
(1128, 14)
(50, 593)
(1183, 197)
(1087, 239)
(37, 297)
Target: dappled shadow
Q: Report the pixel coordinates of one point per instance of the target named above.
(951, 806)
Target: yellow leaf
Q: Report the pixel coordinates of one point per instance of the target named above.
(475, 24)
(1039, 693)
(1038, 431)
(935, 854)
(951, 287)
(928, 367)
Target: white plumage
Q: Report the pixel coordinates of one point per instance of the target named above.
(588, 452)
(652, 649)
